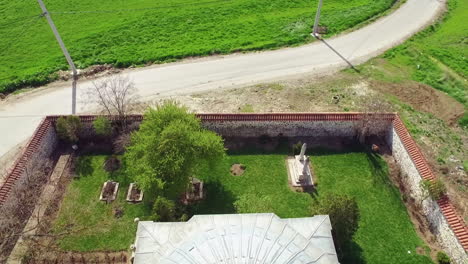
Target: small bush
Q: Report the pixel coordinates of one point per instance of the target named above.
(163, 210)
(442, 258)
(463, 121)
(435, 189)
(68, 128)
(344, 217)
(121, 143)
(112, 164)
(102, 126)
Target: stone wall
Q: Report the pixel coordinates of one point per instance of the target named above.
(449, 229)
(40, 147)
(295, 125)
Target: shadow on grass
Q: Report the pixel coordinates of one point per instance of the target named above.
(84, 166)
(218, 201)
(351, 253)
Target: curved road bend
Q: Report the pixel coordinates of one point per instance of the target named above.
(18, 118)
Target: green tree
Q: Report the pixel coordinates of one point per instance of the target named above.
(168, 148)
(344, 216)
(102, 126)
(68, 128)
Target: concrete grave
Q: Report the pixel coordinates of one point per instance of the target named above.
(134, 194)
(109, 191)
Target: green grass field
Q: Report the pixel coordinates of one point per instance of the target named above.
(385, 234)
(145, 31)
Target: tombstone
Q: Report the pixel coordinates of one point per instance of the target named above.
(195, 191)
(299, 169)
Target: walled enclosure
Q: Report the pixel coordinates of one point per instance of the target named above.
(448, 227)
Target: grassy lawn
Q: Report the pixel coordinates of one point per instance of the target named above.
(157, 31)
(385, 234)
(91, 222)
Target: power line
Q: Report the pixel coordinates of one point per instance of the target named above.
(139, 9)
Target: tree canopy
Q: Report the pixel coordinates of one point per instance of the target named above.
(167, 149)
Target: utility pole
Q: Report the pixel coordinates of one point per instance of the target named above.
(65, 53)
(317, 18)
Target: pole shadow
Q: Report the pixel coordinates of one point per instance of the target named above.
(339, 55)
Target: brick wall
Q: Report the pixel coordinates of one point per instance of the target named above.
(41, 145)
(449, 228)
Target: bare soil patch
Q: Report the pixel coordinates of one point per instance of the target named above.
(237, 169)
(423, 98)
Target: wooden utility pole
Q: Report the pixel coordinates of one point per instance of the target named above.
(317, 18)
(65, 53)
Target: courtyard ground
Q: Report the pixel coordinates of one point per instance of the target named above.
(385, 235)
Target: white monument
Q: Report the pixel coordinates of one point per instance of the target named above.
(299, 169)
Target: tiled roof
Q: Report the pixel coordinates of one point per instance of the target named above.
(236, 238)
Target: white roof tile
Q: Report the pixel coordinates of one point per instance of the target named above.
(237, 238)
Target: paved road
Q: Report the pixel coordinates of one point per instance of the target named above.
(18, 118)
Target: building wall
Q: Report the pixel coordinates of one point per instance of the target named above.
(409, 160)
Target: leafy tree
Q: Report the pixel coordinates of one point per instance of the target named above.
(163, 210)
(344, 216)
(168, 148)
(102, 126)
(68, 128)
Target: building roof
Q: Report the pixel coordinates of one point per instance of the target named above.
(236, 238)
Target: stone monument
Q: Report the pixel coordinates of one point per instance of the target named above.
(299, 169)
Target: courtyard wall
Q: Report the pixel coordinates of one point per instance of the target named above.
(448, 227)
(39, 148)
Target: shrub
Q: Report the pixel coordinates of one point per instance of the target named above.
(442, 258)
(102, 126)
(68, 128)
(435, 189)
(463, 121)
(163, 210)
(121, 143)
(344, 216)
(112, 164)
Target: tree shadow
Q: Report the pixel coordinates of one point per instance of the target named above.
(218, 200)
(378, 169)
(84, 166)
(351, 253)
